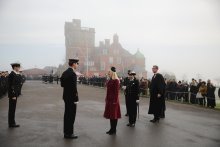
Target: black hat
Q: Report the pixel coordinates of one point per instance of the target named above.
(133, 73)
(113, 69)
(16, 64)
(129, 71)
(74, 60)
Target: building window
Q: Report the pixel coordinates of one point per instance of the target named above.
(102, 66)
(92, 69)
(118, 60)
(110, 60)
(105, 51)
(90, 63)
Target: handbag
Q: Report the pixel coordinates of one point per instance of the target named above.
(199, 95)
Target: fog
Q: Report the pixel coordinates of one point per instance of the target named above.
(180, 36)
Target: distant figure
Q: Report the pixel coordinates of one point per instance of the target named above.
(193, 91)
(70, 97)
(157, 95)
(210, 95)
(14, 84)
(143, 86)
(202, 93)
(112, 107)
(57, 79)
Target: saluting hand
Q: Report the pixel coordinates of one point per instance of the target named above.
(158, 95)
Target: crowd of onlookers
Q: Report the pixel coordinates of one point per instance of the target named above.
(94, 80)
(195, 92)
(3, 83)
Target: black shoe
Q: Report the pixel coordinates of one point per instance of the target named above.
(126, 114)
(154, 120)
(163, 116)
(109, 131)
(70, 136)
(14, 126)
(128, 124)
(132, 125)
(112, 133)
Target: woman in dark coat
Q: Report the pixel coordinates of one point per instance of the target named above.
(112, 107)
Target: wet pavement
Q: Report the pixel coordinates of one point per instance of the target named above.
(40, 114)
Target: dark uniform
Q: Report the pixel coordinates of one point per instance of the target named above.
(21, 82)
(125, 83)
(13, 92)
(193, 91)
(70, 96)
(132, 94)
(156, 103)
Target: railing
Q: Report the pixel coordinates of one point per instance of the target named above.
(183, 97)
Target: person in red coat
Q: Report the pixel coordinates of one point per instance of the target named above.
(112, 106)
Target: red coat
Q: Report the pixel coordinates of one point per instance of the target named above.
(112, 106)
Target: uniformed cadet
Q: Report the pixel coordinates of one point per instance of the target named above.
(132, 93)
(125, 83)
(13, 93)
(70, 97)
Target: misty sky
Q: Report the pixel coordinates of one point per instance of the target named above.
(181, 36)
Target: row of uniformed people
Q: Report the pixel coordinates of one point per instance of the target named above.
(49, 78)
(3, 83)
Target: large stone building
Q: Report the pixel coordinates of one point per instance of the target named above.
(80, 42)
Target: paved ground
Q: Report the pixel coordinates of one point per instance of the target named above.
(40, 113)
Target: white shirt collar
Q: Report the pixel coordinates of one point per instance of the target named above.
(16, 72)
(72, 69)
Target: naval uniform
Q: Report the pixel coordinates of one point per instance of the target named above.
(70, 97)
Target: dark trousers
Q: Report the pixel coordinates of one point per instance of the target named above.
(157, 117)
(113, 124)
(211, 102)
(132, 111)
(202, 101)
(126, 103)
(163, 109)
(192, 98)
(69, 117)
(11, 111)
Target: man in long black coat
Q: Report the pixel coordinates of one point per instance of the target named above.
(70, 97)
(157, 93)
(13, 94)
(132, 93)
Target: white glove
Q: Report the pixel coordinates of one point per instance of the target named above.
(76, 103)
(137, 101)
(14, 98)
(159, 95)
(123, 87)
